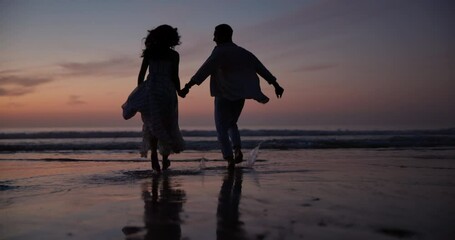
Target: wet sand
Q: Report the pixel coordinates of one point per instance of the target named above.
(299, 194)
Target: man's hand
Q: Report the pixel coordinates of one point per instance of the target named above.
(278, 90)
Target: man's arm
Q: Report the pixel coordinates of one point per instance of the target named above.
(204, 71)
(265, 73)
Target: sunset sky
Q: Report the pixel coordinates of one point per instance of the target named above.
(346, 64)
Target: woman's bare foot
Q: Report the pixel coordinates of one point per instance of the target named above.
(166, 162)
(155, 163)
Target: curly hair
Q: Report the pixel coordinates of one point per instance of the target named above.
(160, 38)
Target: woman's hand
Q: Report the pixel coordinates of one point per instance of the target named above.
(183, 92)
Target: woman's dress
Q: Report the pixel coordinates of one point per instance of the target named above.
(156, 100)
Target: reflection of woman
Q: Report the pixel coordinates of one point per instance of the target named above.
(156, 98)
(228, 224)
(162, 208)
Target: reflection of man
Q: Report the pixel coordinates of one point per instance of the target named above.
(228, 224)
(233, 72)
(161, 211)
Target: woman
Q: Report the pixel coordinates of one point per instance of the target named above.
(159, 111)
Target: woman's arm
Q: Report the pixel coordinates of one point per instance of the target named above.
(143, 71)
(175, 71)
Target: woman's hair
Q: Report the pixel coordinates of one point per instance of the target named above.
(161, 38)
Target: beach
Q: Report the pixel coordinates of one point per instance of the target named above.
(286, 194)
(345, 113)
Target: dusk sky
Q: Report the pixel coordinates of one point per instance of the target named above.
(345, 64)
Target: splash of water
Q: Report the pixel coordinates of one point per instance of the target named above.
(253, 155)
(202, 163)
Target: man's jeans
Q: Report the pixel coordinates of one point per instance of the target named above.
(227, 113)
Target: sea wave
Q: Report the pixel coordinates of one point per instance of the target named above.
(206, 140)
(212, 133)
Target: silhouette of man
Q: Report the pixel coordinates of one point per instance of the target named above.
(233, 78)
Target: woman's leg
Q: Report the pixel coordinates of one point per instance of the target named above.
(154, 155)
(166, 161)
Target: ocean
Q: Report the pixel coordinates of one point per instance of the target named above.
(304, 184)
(44, 142)
(107, 144)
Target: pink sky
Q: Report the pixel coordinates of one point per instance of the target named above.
(343, 64)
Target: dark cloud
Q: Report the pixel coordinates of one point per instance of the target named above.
(23, 81)
(118, 66)
(15, 91)
(19, 85)
(75, 100)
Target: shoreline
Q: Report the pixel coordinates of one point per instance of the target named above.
(288, 194)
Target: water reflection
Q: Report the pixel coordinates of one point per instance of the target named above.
(163, 203)
(229, 225)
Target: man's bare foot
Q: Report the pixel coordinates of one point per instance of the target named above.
(231, 163)
(238, 155)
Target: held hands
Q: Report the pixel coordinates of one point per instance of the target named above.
(183, 92)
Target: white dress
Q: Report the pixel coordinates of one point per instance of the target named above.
(156, 100)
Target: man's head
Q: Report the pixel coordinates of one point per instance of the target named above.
(223, 34)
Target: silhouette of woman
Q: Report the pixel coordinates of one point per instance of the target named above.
(162, 209)
(156, 97)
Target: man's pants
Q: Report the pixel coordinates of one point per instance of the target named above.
(227, 114)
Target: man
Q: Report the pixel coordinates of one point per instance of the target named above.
(233, 79)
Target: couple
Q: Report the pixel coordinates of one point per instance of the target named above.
(233, 78)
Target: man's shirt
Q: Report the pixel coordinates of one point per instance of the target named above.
(233, 73)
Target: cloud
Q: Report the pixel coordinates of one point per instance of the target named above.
(315, 67)
(323, 17)
(9, 72)
(315, 27)
(75, 100)
(14, 91)
(23, 81)
(13, 105)
(118, 67)
(20, 85)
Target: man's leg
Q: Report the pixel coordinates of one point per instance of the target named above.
(222, 117)
(236, 110)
